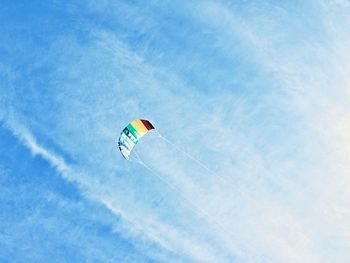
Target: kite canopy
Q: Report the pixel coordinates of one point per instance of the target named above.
(131, 134)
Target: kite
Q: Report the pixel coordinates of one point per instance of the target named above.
(131, 134)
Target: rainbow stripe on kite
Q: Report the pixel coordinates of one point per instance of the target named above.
(131, 134)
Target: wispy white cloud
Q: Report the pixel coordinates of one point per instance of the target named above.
(28, 139)
(279, 148)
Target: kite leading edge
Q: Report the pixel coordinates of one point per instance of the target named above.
(131, 134)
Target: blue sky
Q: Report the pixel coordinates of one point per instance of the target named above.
(257, 91)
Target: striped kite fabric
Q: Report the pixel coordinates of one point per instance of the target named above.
(131, 134)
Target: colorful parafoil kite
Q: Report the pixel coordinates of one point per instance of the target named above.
(131, 134)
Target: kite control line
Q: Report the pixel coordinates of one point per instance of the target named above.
(199, 211)
(185, 153)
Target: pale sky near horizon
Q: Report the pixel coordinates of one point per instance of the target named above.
(256, 91)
